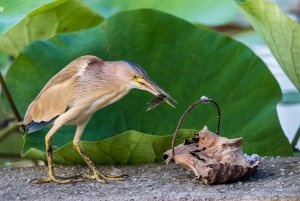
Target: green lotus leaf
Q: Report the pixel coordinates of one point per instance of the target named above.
(280, 33)
(130, 147)
(185, 60)
(57, 17)
(212, 12)
(4, 65)
(11, 12)
(4, 62)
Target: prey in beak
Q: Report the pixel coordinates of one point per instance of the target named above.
(157, 100)
(160, 95)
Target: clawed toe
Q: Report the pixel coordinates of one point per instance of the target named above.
(102, 177)
(58, 180)
(121, 177)
(99, 177)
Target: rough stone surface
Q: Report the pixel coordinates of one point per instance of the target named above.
(275, 179)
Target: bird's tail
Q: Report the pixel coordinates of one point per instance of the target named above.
(35, 126)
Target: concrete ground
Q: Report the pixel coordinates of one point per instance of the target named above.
(275, 179)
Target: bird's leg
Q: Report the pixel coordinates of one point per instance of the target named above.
(51, 176)
(97, 175)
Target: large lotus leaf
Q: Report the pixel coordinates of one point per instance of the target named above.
(57, 17)
(280, 33)
(130, 147)
(185, 60)
(4, 62)
(11, 12)
(212, 12)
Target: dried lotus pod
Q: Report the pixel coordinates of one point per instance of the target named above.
(221, 148)
(212, 158)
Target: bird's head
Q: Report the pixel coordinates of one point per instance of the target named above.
(136, 77)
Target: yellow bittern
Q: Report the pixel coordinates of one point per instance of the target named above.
(74, 94)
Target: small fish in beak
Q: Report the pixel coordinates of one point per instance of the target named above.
(157, 100)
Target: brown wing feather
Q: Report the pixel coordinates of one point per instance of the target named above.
(58, 93)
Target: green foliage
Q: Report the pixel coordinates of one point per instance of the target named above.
(58, 17)
(4, 65)
(212, 12)
(4, 62)
(280, 33)
(11, 12)
(12, 144)
(130, 147)
(187, 61)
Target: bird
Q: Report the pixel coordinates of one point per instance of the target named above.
(86, 85)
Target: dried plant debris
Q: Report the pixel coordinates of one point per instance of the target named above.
(212, 158)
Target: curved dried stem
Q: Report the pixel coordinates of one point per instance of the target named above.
(200, 101)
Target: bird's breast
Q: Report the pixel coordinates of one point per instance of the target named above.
(86, 104)
(107, 99)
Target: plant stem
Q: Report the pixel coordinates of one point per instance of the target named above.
(202, 100)
(9, 99)
(6, 131)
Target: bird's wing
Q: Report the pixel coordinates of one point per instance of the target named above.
(58, 93)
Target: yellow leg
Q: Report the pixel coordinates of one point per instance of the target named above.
(51, 176)
(98, 176)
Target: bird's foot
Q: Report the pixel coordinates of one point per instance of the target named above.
(101, 178)
(58, 180)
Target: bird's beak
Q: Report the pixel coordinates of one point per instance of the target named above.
(150, 86)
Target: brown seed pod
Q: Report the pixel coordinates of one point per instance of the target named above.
(213, 159)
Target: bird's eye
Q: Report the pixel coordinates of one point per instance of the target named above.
(134, 76)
